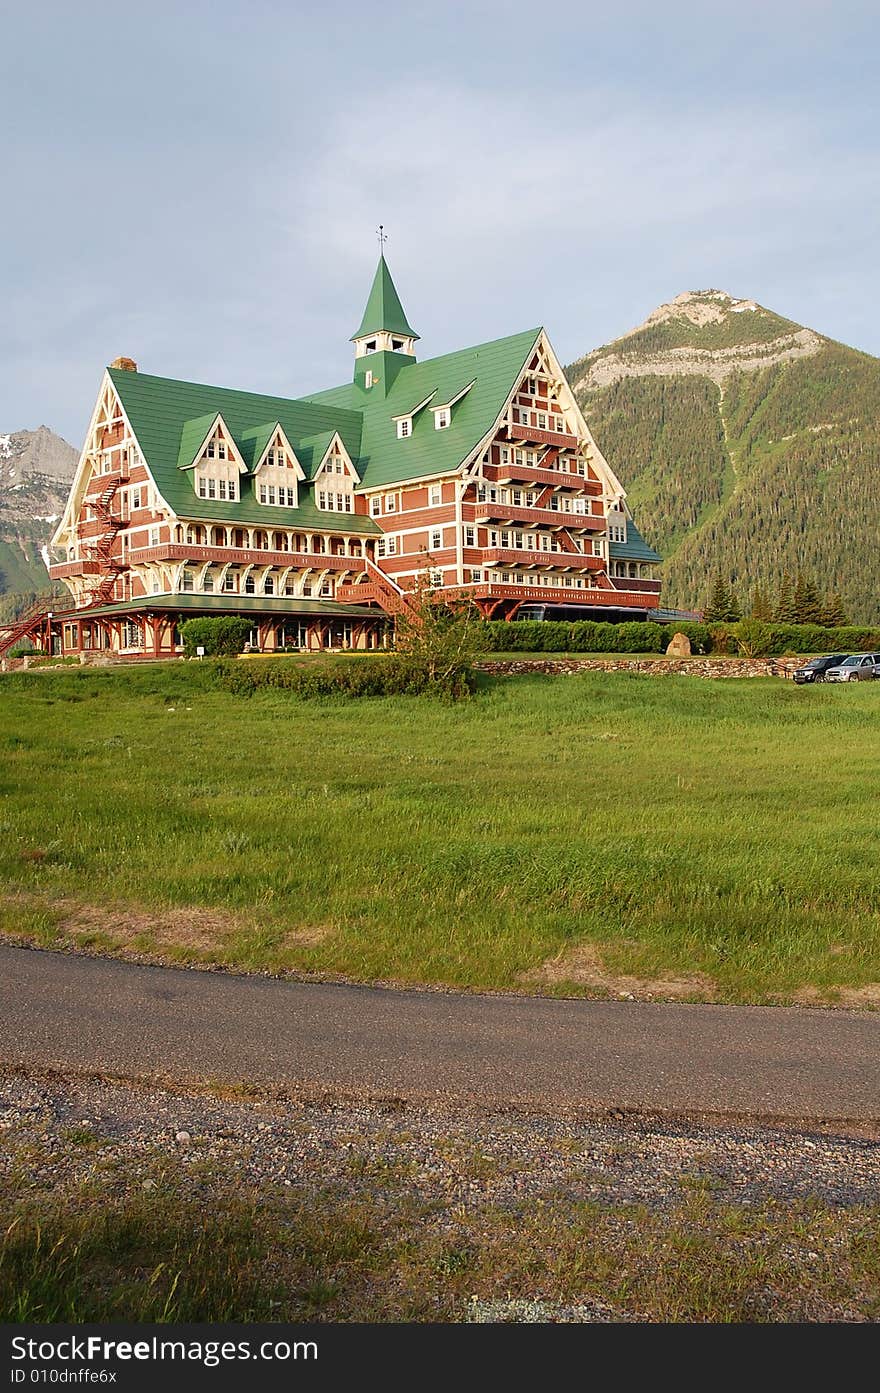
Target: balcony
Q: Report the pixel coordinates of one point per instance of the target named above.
(557, 595)
(59, 570)
(567, 560)
(533, 474)
(543, 437)
(486, 511)
(238, 556)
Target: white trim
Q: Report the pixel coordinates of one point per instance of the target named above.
(414, 411)
(277, 430)
(218, 420)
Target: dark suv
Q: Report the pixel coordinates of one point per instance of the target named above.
(816, 668)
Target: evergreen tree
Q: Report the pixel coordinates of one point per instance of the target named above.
(734, 608)
(834, 615)
(807, 605)
(719, 602)
(761, 608)
(784, 612)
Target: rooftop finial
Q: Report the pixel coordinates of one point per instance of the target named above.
(381, 238)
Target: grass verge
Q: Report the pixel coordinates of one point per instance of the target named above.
(717, 835)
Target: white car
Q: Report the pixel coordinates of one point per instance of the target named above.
(858, 667)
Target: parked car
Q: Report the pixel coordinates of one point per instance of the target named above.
(858, 667)
(816, 668)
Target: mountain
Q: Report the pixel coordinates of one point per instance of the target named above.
(36, 467)
(747, 444)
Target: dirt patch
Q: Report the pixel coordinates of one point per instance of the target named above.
(202, 930)
(867, 995)
(583, 966)
(148, 934)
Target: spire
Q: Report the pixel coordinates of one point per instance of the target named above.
(384, 312)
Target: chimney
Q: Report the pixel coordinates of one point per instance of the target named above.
(126, 364)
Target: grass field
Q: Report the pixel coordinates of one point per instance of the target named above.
(595, 833)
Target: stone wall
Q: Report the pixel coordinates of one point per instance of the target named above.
(690, 667)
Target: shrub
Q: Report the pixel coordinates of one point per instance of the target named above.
(221, 634)
(753, 638)
(386, 675)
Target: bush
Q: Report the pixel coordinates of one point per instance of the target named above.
(388, 675)
(223, 634)
(753, 638)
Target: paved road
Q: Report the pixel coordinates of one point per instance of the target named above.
(96, 1014)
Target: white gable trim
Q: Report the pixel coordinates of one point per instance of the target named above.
(337, 447)
(236, 454)
(277, 430)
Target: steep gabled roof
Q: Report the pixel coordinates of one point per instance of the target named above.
(167, 417)
(171, 420)
(494, 368)
(383, 309)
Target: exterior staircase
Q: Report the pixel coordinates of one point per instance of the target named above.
(32, 621)
(102, 547)
(380, 588)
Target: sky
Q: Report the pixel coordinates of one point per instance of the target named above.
(198, 185)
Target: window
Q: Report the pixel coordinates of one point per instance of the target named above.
(436, 578)
(435, 495)
(476, 576)
(436, 539)
(322, 500)
(397, 345)
(442, 418)
(229, 581)
(203, 488)
(470, 537)
(524, 418)
(368, 379)
(222, 489)
(212, 488)
(154, 536)
(375, 506)
(386, 546)
(391, 502)
(269, 586)
(250, 586)
(208, 582)
(135, 499)
(221, 450)
(370, 347)
(597, 548)
(187, 581)
(327, 587)
(404, 427)
(532, 387)
(542, 421)
(211, 450)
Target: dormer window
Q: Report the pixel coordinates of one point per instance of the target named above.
(404, 427)
(442, 418)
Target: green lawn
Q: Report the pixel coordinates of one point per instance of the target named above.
(724, 834)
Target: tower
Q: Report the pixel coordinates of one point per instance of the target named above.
(385, 341)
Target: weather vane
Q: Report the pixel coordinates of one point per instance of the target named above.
(381, 236)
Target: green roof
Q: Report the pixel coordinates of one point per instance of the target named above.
(226, 604)
(384, 310)
(635, 548)
(171, 419)
(494, 369)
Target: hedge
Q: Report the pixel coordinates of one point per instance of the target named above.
(222, 634)
(586, 636)
(386, 675)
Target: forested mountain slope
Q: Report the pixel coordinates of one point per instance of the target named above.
(747, 444)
